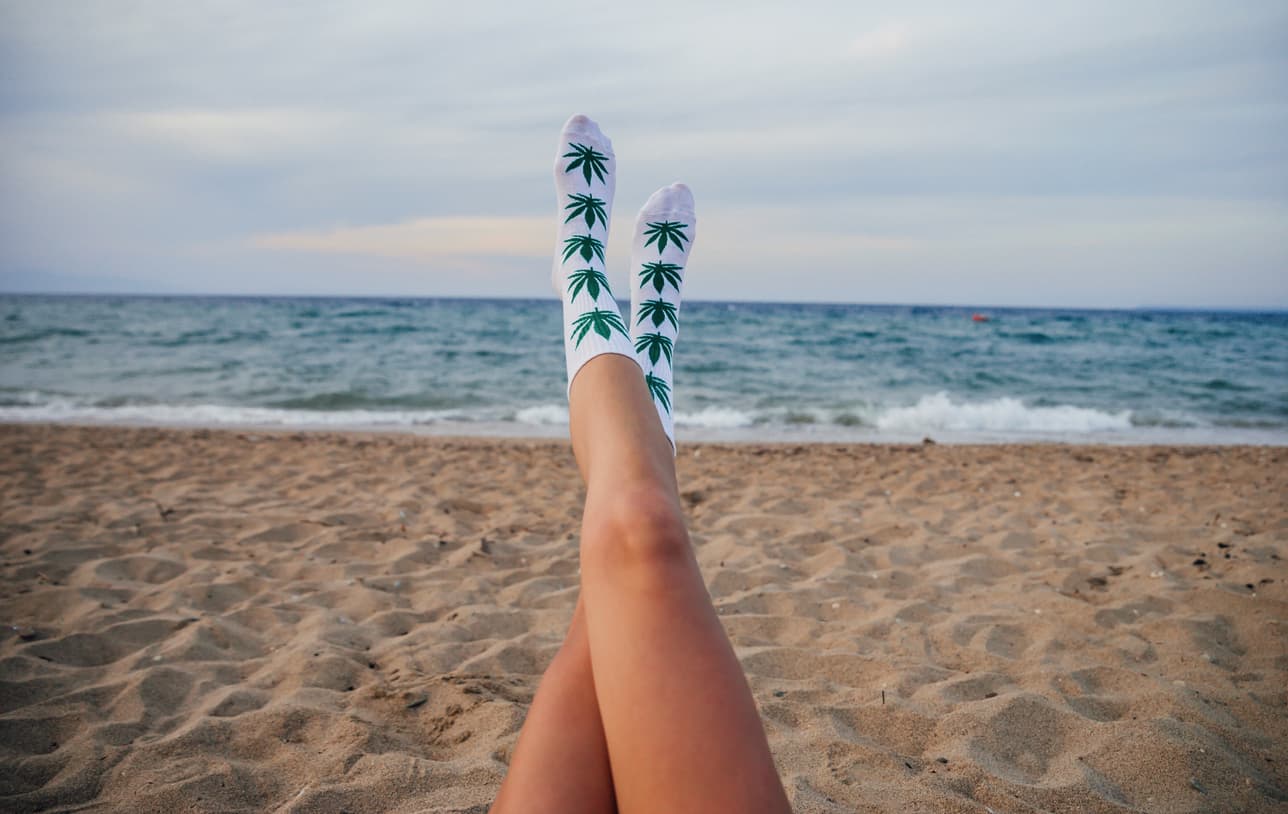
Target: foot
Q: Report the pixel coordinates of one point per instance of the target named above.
(585, 176)
(664, 235)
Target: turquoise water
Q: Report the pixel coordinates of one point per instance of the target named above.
(762, 371)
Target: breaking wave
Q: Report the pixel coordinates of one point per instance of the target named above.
(937, 412)
(1002, 415)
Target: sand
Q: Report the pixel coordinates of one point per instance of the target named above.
(257, 621)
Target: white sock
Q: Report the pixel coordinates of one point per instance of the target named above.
(664, 235)
(585, 177)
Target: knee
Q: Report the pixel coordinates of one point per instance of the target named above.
(634, 529)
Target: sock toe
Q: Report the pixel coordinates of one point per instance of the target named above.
(674, 198)
(585, 181)
(585, 128)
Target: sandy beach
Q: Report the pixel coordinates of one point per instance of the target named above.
(269, 621)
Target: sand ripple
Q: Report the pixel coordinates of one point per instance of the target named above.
(234, 621)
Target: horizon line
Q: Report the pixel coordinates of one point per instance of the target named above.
(964, 306)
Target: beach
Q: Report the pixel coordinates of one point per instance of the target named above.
(237, 620)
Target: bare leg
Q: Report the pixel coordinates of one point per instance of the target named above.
(682, 729)
(560, 764)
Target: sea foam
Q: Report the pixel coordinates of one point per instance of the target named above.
(716, 418)
(70, 410)
(542, 415)
(1002, 415)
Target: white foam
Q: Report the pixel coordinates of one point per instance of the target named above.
(68, 410)
(715, 418)
(711, 418)
(1003, 415)
(542, 414)
(1002, 419)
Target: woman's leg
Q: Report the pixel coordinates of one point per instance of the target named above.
(560, 764)
(561, 761)
(682, 729)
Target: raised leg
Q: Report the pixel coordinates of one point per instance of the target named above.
(678, 729)
(659, 252)
(682, 729)
(560, 763)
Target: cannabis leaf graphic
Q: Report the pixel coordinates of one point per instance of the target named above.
(591, 279)
(660, 390)
(664, 230)
(587, 245)
(659, 274)
(656, 345)
(587, 205)
(588, 158)
(660, 310)
(601, 321)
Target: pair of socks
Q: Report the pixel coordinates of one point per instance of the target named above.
(585, 178)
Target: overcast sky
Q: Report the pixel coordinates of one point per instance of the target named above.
(1091, 153)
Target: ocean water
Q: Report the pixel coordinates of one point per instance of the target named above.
(743, 371)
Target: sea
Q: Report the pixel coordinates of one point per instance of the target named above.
(744, 371)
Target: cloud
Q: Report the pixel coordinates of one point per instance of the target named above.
(235, 135)
(770, 232)
(890, 39)
(425, 239)
(1014, 141)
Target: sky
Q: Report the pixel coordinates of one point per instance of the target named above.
(1077, 154)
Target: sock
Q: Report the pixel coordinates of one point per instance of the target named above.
(664, 235)
(585, 177)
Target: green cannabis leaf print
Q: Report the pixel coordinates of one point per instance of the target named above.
(659, 274)
(656, 345)
(588, 158)
(590, 207)
(586, 245)
(664, 231)
(659, 311)
(660, 389)
(590, 279)
(602, 322)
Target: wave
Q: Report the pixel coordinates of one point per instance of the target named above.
(1032, 337)
(38, 407)
(709, 418)
(1225, 384)
(1006, 414)
(40, 335)
(361, 400)
(543, 415)
(716, 418)
(67, 410)
(938, 414)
